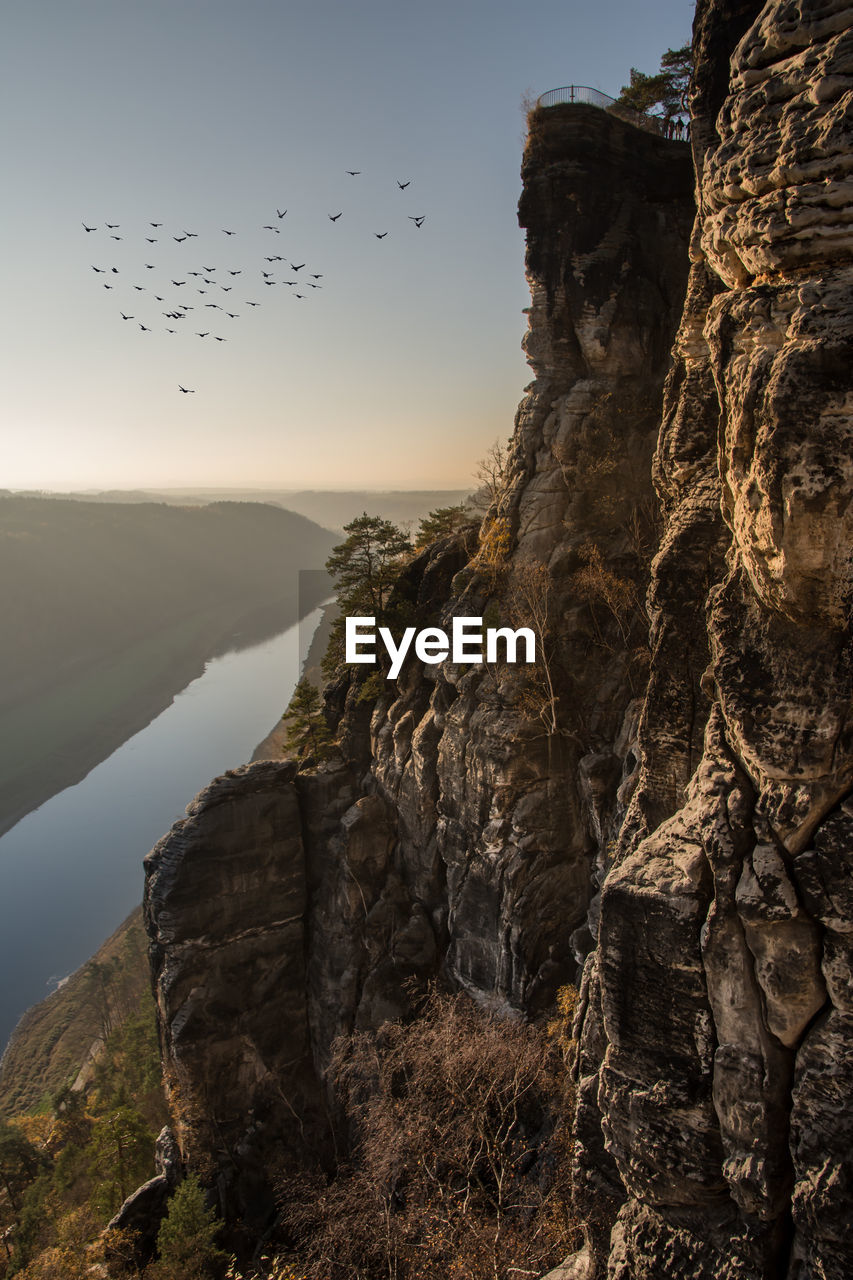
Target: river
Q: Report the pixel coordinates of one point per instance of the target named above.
(71, 871)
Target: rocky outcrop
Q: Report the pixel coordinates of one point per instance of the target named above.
(144, 1210)
(717, 1007)
(225, 909)
(473, 807)
(687, 753)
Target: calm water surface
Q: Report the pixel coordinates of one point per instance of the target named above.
(72, 870)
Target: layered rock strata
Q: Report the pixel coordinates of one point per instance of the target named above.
(714, 1069)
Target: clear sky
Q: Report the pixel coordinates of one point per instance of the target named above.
(404, 365)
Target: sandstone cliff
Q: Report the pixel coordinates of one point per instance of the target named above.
(691, 757)
(717, 1019)
(463, 830)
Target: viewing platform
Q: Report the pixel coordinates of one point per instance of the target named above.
(582, 93)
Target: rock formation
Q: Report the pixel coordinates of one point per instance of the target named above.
(717, 1017)
(459, 833)
(691, 758)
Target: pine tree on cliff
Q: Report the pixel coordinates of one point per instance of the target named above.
(365, 568)
(667, 89)
(366, 565)
(307, 731)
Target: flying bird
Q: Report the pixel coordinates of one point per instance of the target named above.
(253, 304)
(418, 221)
(144, 330)
(100, 270)
(316, 275)
(333, 217)
(235, 273)
(178, 282)
(299, 295)
(267, 227)
(188, 391)
(219, 339)
(202, 335)
(281, 212)
(313, 286)
(108, 286)
(213, 304)
(209, 268)
(403, 185)
(380, 235)
(225, 232)
(353, 173)
(155, 224)
(150, 241)
(233, 315)
(124, 317)
(266, 274)
(179, 239)
(85, 228)
(112, 226)
(149, 266)
(114, 270)
(115, 237)
(293, 266)
(140, 288)
(194, 234)
(269, 282)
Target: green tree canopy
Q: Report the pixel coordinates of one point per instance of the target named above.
(121, 1156)
(441, 522)
(307, 731)
(366, 565)
(666, 90)
(186, 1238)
(365, 568)
(20, 1162)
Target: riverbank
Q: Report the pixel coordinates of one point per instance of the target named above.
(53, 740)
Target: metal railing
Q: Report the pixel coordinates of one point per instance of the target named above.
(582, 93)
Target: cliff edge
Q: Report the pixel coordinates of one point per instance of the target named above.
(665, 801)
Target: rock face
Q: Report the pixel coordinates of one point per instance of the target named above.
(474, 805)
(716, 1031)
(225, 909)
(687, 752)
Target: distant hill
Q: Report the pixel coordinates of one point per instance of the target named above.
(110, 609)
(331, 508)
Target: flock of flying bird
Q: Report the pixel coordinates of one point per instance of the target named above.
(177, 310)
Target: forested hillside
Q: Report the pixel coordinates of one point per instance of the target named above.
(110, 609)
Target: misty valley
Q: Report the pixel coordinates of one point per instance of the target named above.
(110, 609)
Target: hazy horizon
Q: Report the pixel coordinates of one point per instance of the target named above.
(366, 158)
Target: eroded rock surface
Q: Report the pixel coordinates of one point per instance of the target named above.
(463, 830)
(715, 1052)
(691, 757)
